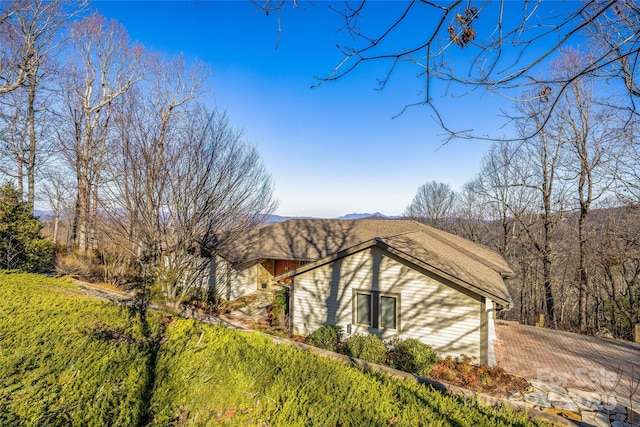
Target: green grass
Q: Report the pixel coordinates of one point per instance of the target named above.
(69, 360)
(58, 364)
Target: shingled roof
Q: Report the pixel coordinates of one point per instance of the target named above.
(465, 269)
(319, 240)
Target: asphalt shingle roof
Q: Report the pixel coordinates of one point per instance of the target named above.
(314, 239)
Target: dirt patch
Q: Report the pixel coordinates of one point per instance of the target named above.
(104, 291)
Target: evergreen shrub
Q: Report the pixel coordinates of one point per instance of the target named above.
(279, 309)
(411, 356)
(327, 337)
(21, 246)
(366, 347)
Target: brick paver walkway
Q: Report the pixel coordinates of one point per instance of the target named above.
(568, 359)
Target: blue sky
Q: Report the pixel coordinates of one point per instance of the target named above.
(334, 149)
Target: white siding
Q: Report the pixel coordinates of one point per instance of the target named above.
(491, 332)
(441, 315)
(244, 281)
(231, 283)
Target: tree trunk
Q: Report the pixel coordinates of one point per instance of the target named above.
(56, 226)
(31, 119)
(80, 226)
(582, 267)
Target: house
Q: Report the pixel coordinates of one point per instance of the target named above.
(394, 278)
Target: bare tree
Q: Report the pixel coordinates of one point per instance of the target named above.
(627, 174)
(211, 190)
(13, 139)
(513, 183)
(520, 185)
(546, 157)
(617, 268)
(40, 23)
(433, 204)
(498, 46)
(182, 183)
(471, 215)
(148, 122)
(103, 66)
(57, 192)
(28, 30)
(576, 152)
(615, 29)
(13, 58)
(498, 185)
(34, 30)
(219, 192)
(593, 132)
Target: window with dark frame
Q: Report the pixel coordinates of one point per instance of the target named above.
(379, 311)
(388, 312)
(363, 309)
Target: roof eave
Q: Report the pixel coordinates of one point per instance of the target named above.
(327, 259)
(462, 283)
(379, 243)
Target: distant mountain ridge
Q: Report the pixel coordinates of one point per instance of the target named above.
(47, 215)
(273, 219)
(363, 215)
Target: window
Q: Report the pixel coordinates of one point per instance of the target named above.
(363, 309)
(388, 312)
(379, 311)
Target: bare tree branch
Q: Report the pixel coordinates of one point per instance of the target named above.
(479, 45)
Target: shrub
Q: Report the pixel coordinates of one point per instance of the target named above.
(327, 337)
(279, 309)
(71, 264)
(464, 364)
(366, 347)
(411, 356)
(449, 362)
(21, 246)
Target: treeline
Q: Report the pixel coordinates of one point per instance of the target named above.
(116, 140)
(561, 202)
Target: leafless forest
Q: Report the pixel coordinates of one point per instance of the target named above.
(561, 204)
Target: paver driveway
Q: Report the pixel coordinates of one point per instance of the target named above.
(569, 360)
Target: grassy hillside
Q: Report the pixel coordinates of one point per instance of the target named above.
(69, 360)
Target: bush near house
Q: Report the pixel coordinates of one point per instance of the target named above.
(408, 355)
(328, 337)
(366, 347)
(278, 311)
(411, 356)
(415, 357)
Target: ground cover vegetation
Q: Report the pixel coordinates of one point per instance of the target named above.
(68, 360)
(87, 362)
